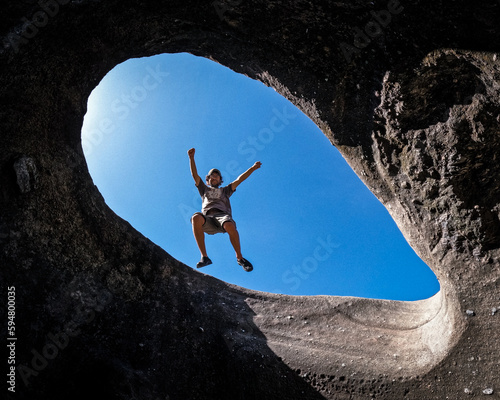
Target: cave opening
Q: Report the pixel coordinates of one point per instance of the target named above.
(309, 227)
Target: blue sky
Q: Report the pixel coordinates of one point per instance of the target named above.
(306, 221)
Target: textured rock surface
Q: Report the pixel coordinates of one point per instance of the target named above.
(410, 94)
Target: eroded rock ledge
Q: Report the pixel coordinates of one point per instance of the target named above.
(410, 95)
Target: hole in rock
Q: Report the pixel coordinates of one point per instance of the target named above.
(306, 221)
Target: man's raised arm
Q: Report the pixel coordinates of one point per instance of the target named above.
(245, 175)
(192, 165)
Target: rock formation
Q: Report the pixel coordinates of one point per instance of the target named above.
(409, 92)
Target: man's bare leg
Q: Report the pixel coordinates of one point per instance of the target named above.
(234, 237)
(197, 221)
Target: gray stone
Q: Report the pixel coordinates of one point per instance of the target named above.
(26, 174)
(410, 95)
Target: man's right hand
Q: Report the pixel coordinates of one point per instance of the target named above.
(192, 165)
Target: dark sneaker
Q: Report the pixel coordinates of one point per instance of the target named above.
(204, 262)
(247, 266)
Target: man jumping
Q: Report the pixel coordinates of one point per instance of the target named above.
(215, 216)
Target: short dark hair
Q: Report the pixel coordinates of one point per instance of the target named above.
(211, 172)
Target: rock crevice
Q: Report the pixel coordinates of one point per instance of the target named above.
(414, 109)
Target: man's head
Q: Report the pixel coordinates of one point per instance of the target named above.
(214, 178)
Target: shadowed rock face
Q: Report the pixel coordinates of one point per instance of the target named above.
(409, 93)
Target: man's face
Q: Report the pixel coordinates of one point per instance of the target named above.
(214, 179)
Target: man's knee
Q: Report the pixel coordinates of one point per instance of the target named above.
(197, 219)
(229, 226)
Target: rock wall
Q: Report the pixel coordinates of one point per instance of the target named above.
(409, 93)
